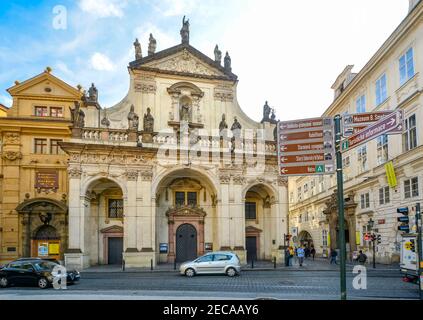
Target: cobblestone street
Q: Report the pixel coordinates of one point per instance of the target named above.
(383, 283)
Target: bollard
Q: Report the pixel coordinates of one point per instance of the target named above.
(274, 262)
(252, 263)
(151, 264)
(123, 265)
(174, 264)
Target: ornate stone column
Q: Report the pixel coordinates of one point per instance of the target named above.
(237, 217)
(130, 212)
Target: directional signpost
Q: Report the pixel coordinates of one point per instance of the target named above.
(385, 125)
(306, 147)
(354, 123)
(310, 147)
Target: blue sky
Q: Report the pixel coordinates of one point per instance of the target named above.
(280, 49)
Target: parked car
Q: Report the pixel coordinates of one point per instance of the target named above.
(32, 272)
(212, 263)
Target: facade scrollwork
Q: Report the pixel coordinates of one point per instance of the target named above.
(74, 173)
(12, 155)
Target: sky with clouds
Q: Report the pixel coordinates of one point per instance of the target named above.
(286, 52)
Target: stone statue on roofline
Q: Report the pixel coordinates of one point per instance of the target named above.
(93, 93)
(152, 45)
(138, 52)
(133, 119)
(228, 62)
(77, 116)
(217, 55)
(185, 31)
(148, 121)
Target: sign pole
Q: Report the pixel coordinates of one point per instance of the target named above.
(419, 247)
(340, 190)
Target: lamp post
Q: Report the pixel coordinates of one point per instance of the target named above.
(370, 225)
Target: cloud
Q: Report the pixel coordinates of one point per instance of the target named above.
(171, 8)
(5, 100)
(103, 8)
(164, 40)
(101, 62)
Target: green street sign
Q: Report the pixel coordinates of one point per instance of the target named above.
(345, 145)
(320, 168)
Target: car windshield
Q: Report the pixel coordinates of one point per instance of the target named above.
(45, 265)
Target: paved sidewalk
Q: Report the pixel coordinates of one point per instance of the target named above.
(319, 264)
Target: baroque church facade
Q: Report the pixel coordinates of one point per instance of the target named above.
(175, 169)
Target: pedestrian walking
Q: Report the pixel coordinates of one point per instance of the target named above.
(333, 255)
(362, 258)
(291, 255)
(300, 255)
(313, 252)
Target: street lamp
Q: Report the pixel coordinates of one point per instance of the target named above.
(370, 224)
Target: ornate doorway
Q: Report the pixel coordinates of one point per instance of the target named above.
(186, 243)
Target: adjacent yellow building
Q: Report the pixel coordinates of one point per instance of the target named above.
(33, 169)
(3, 110)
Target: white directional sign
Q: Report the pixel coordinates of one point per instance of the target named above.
(354, 123)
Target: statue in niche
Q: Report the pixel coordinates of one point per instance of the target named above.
(223, 125)
(77, 116)
(185, 31)
(133, 119)
(185, 113)
(217, 55)
(138, 52)
(105, 122)
(148, 121)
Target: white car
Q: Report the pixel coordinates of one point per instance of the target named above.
(213, 263)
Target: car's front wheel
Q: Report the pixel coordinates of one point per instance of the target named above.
(231, 272)
(42, 283)
(190, 272)
(4, 282)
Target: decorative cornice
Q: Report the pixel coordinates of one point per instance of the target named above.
(225, 178)
(131, 175)
(146, 175)
(239, 180)
(74, 173)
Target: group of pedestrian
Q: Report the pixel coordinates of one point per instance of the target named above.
(301, 253)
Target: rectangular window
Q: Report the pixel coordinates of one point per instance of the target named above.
(365, 201)
(40, 146)
(361, 104)
(410, 133)
(299, 196)
(291, 197)
(411, 188)
(406, 66)
(41, 111)
(325, 238)
(384, 196)
(54, 146)
(382, 149)
(250, 211)
(179, 198)
(115, 208)
(381, 90)
(56, 112)
(192, 198)
(362, 159)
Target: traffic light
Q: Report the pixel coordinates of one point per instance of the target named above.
(287, 237)
(379, 239)
(405, 220)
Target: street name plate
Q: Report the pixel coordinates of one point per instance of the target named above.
(385, 125)
(306, 147)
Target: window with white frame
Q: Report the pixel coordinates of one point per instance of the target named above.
(362, 159)
(299, 194)
(411, 188)
(406, 66)
(300, 218)
(410, 133)
(360, 104)
(381, 90)
(365, 200)
(313, 187)
(384, 196)
(382, 149)
(346, 162)
(291, 197)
